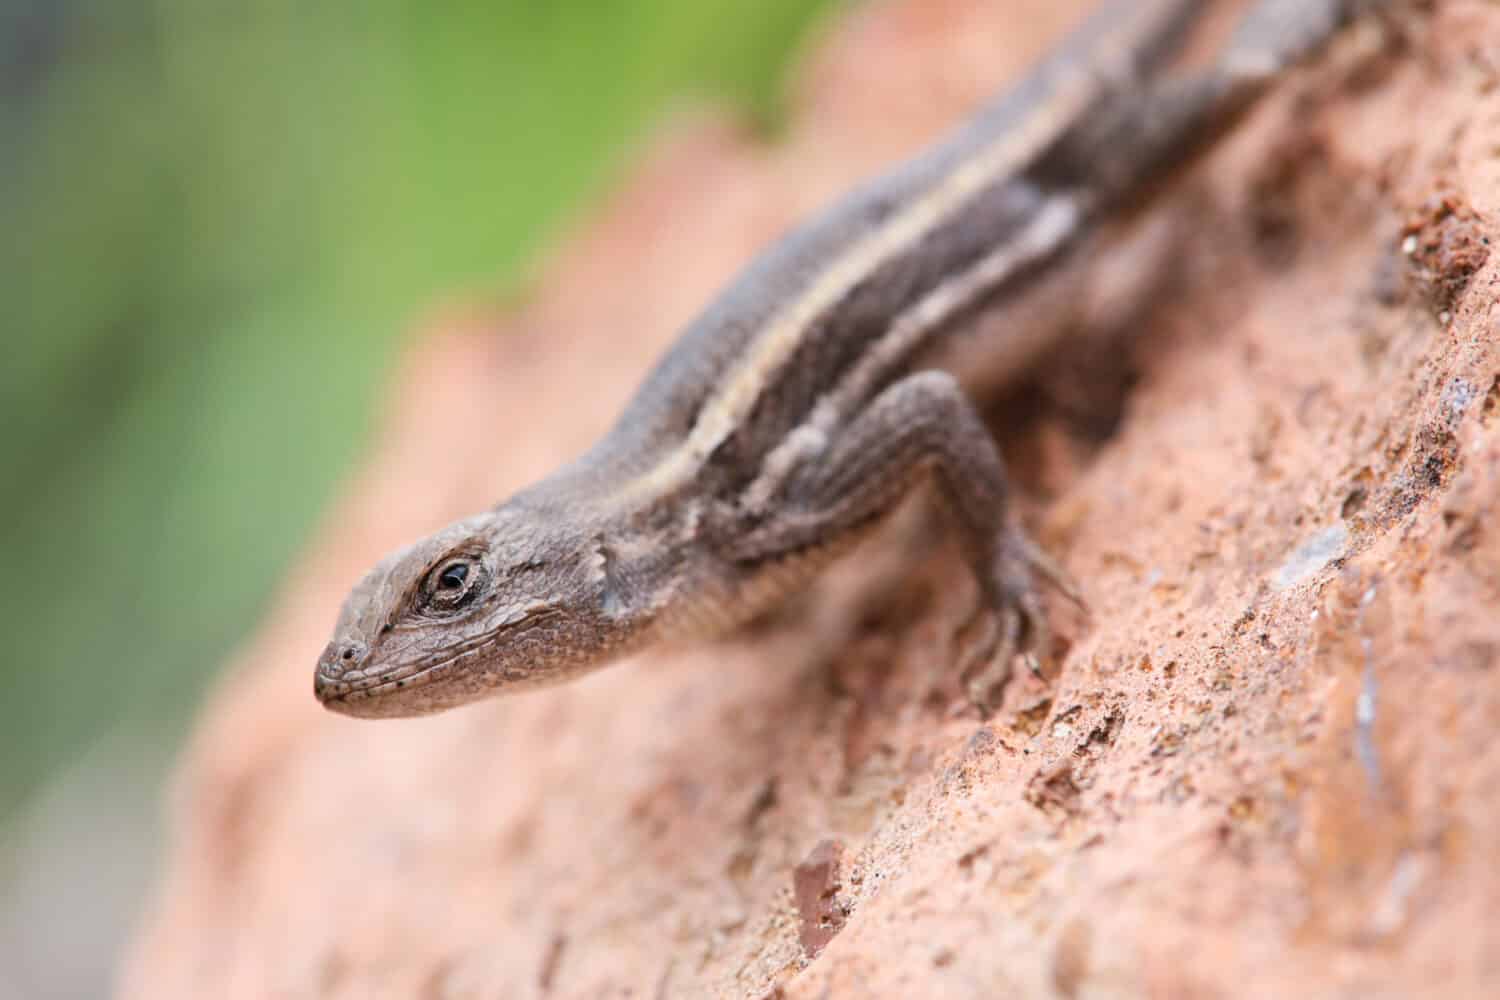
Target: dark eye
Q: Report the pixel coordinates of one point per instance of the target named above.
(452, 583)
(452, 576)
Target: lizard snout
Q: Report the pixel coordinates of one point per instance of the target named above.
(339, 660)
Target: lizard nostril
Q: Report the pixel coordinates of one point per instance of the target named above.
(342, 656)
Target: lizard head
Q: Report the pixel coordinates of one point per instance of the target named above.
(489, 604)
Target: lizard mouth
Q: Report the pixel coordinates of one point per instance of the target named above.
(384, 693)
(419, 688)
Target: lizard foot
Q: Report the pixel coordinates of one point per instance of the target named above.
(1009, 620)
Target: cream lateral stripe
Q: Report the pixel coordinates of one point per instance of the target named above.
(1054, 224)
(742, 385)
(1056, 221)
(725, 411)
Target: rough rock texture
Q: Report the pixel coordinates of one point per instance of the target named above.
(1266, 766)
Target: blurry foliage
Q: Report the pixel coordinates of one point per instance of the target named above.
(218, 217)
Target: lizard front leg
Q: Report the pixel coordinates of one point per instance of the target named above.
(922, 425)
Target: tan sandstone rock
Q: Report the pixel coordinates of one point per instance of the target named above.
(1267, 765)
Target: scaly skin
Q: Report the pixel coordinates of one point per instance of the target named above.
(792, 414)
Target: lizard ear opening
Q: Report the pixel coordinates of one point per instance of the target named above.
(604, 572)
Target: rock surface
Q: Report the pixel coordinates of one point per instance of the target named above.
(1266, 765)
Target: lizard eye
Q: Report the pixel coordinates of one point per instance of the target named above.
(451, 584)
(453, 575)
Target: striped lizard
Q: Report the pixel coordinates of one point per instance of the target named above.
(797, 409)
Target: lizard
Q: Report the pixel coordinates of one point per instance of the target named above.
(795, 411)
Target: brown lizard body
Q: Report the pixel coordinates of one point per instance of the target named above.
(791, 414)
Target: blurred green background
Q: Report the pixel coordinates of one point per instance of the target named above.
(219, 219)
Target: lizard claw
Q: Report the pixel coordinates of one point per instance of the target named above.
(1013, 620)
(987, 663)
(1048, 569)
